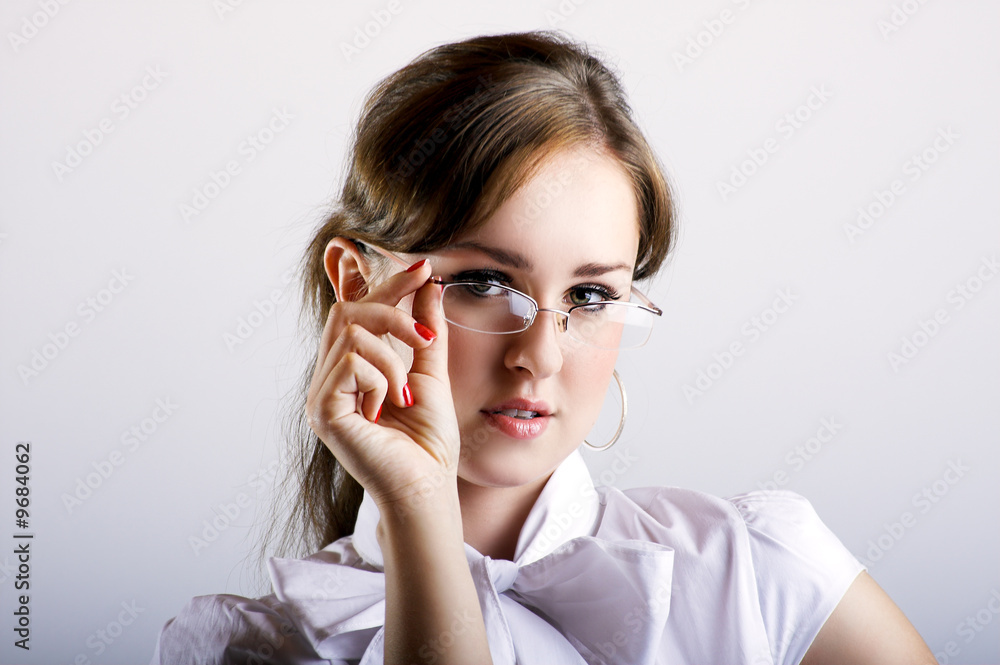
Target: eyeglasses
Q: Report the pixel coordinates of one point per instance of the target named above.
(496, 309)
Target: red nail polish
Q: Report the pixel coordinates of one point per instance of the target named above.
(407, 395)
(417, 266)
(424, 331)
(378, 414)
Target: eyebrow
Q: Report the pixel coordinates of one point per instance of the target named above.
(518, 261)
(510, 259)
(598, 269)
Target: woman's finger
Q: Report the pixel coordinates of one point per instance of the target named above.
(399, 285)
(388, 294)
(431, 359)
(355, 338)
(336, 397)
(378, 313)
(377, 318)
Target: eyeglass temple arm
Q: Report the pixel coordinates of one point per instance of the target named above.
(384, 252)
(389, 255)
(647, 302)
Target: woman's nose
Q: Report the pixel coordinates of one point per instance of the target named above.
(540, 348)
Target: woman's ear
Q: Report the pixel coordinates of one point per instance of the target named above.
(347, 269)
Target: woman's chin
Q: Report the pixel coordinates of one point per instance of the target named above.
(507, 462)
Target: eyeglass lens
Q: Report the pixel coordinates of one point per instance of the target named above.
(492, 308)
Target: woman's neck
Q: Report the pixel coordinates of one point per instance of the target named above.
(492, 517)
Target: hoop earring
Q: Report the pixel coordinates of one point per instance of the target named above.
(621, 423)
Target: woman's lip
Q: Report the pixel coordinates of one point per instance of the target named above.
(517, 428)
(522, 404)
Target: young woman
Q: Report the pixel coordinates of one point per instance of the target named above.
(472, 291)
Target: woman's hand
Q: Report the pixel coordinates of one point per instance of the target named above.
(358, 399)
(406, 457)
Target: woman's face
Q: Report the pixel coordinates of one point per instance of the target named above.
(569, 235)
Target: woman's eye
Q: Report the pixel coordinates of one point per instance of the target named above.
(585, 295)
(483, 289)
(482, 283)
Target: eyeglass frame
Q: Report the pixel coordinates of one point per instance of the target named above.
(645, 303)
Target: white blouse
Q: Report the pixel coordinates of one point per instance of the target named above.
(600, 575)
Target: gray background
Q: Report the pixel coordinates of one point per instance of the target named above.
(886, 95)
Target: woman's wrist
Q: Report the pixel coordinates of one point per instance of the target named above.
(435, 513)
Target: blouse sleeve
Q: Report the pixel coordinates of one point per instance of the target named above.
(802, 569)
(230, 630)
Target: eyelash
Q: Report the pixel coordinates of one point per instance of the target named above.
(483, 275)
(488, 275)
(606, 292)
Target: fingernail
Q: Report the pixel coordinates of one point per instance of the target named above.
(407, 396)
(424, 331)
(378, 414)
(417, 266)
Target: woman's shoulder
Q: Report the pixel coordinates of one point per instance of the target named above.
(772, 523)
(669, 506)
(678, 510)
(765, 552)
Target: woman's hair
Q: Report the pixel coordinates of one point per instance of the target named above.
(440, 145)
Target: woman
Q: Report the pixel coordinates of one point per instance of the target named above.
(471, 294)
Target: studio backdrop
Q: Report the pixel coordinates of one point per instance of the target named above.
(830, 315)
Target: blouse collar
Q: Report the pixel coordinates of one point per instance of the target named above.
(567, 507)
(571, 596)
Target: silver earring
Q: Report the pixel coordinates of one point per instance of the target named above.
(621, 423)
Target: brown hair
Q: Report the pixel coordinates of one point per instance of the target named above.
(440, 145)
